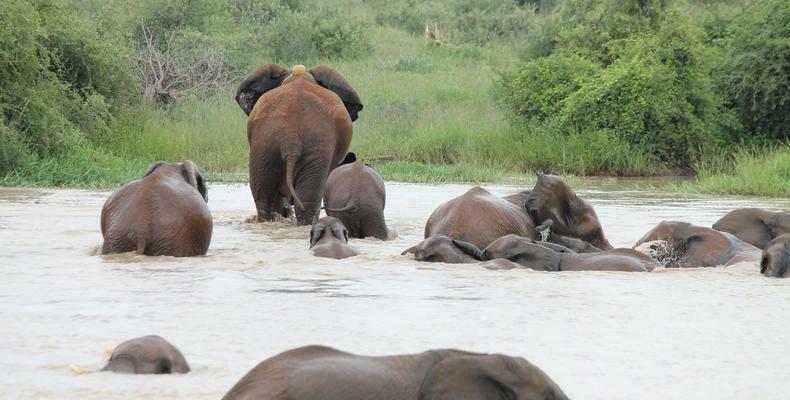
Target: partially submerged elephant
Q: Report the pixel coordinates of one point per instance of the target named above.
(525, 252)
(682, 245)
(355, 194)
(299, 129)
(317, 372)
(329, 239)
(147, 355)
(776, 257)
(479, 217)
(163, 213)
(755, 226)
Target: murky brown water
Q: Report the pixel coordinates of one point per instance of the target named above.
(702, 334)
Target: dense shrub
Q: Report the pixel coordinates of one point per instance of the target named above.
(754, 75)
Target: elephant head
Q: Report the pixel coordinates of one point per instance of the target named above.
(191, 172)
(526, 252)
(270, 76)
(680, 244)
(147, 355)
(553, 199)
(488, 376)
(776, 257)
(442, 248)
(329, 225)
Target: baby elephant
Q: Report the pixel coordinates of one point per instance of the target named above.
(356, 195)
(776, 257)
(164, 213)
(442, 248)
(317, 372)
(329, 239)
(147, 355)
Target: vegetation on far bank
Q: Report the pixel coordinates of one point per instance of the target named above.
(498, 89)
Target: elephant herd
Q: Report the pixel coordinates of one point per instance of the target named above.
(299, 129)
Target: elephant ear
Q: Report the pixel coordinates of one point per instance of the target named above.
(487, 377)
(258, 82)
(552, 198)
(153, 167)
(331, 79)
(340, 232)
(315, 233)
(469, 248)
(196, 177)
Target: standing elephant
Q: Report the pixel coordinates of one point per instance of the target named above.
(683, 245)
(755, 226)
(164, 213)
(147, 355)
(317, 372)
(329, 239)
(355, 194)
(776, 257)
(299, 128)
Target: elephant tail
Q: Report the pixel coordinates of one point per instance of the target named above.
(341, 209)
(290, 164)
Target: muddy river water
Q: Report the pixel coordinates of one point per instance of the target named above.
(719, 333)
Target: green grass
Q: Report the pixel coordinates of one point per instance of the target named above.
(765, 173)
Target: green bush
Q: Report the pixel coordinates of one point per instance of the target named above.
(754, 76)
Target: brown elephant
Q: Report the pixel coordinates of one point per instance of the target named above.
(552, 257)
(355, 194)
(682, 245)
(755, 226)
(552, 199)
(299, 128)
(478, 217)
(147, 355)
(317, 372)
(329, 239)
(164, 213)
(776, 257)
(442, 248)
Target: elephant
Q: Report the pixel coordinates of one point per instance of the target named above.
(299, 129)
(755, 226)
(164, 213)
(544, 256)
(677, 244)
(329, 239)
(318, 372)
(553, 199)
(442, 248)
(478, 217)
(147, 355)
(355, 194)
(776, 257)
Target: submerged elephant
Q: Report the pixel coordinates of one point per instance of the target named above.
(479, 217)
(163, 213)
(552, 199)
(329, 239)
(442, 248)
(299, 129)
(147, 355)
(776, 257)
(543, 256)
(755, 226)
(683, 245)
(355, 194)
(317, 372)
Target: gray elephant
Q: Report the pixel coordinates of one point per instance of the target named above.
(755, 226)
(299, 129)
(163, 213)
(147, 355)
(677, 244)
(355, 194)
(317, 372)
(776, 257)
(329, 239)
